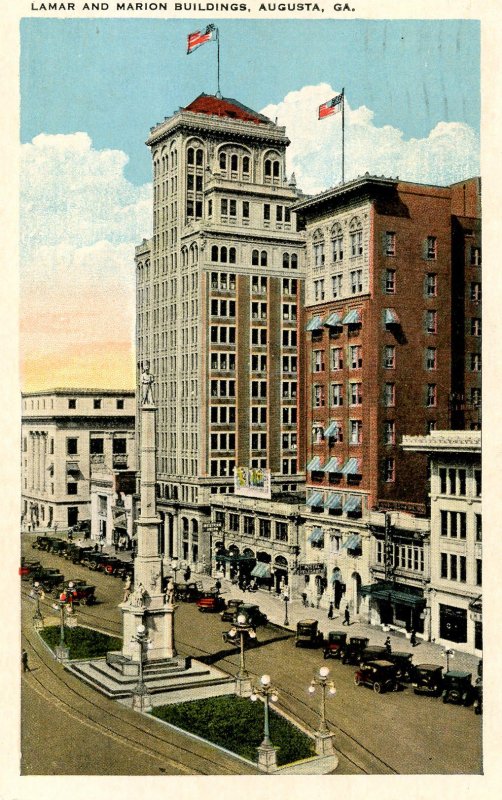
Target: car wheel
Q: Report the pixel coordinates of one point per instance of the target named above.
(326, 654)
(395, 687)
(445, 699)
(377, 687)
(357, 680)
(415, 691)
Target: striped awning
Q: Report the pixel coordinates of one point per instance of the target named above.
(390, 317)
(333, 465)
(314, 464)
(352, 317)
(353, 542)
(334, 320)
(334, 500)
(353, 503)
(352, 467)
(314, 324)
(316, 535)
(72, 467)
(315, 499)
(332, 428)
(261, 570)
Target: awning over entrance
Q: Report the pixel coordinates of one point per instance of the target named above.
(314, 324)
(261, 570)
(314, 464)
(234, 559)
(390, 317)
(353, 317)
(333, 464)
(352, 467)
(353, 542)
(353, 503)
(393, 593)
(334, 320)
(315, 499)
(334, 501)
(316, 535)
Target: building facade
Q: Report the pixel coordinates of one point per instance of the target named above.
(219, 288)
(455, 589)
(67, 436)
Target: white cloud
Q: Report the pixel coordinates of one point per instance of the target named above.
(449, 153)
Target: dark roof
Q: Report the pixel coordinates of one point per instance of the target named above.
(226, 107)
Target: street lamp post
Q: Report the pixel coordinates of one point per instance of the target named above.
(448, 654)
(175, 567)
(286, 601)
(267, 753)
(65, 602)
(141, 697)
(37, 593)
(243, 629)
(323, 737)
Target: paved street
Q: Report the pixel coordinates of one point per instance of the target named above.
(375, 734)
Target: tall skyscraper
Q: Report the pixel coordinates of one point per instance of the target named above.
(218, 291)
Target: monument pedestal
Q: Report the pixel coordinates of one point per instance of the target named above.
(267, 758)
(324, 743)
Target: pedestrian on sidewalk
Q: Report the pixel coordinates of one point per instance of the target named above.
(346, 616)
(304, 598)
(413, 637)
(387, 645)
(330, 611)
(217, 586)
(24, 661)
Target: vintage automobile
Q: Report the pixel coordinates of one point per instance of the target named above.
(373, 652)
(210, 601)
(308, 634)
(49, 580)
(335, 644)
(379, 674)
(41, 543)
(82, 526)
(75, 553)
(252, 613)
(228, 612)
(457, 687)
(58, 546)
(188, 592)
(81, 592)
(27, 568)
(354, 649)
(404, 664)
(428, 678)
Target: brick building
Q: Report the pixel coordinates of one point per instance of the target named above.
(218, 292)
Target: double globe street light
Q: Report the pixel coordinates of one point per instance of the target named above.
(267, 753)
(244, 630)
(64, 604)
(141, 700)
(323, 738)
(37, 593)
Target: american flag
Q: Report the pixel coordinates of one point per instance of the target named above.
(331, 107)
(194, 40)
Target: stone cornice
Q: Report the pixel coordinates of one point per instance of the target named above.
(220, 127)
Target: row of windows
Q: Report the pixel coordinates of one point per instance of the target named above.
(404, 556)
(355, 430)
(355, 394)
(224, 281)
(453, 481)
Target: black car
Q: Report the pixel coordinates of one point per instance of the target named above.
(58, 547)
(335, 644)
(457, 687)
(308, 634)
(404, 665)
(252, 614)
(188, 592)
(428, 678)
(41, 543)
(228, 612)
(373, 652)
(478, 696)
(354, 649)
(50, 580)
(379, 674)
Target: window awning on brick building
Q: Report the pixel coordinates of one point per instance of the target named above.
(314, 464)
(316, 535)
(333, 320)
(315, 499)
(352, 467)
(391, 317)
(353, 503)
(332, 428)
(314, 324)
(352, 317)
(334, 501)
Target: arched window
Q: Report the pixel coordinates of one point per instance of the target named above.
(198, 158)
(223, 161)
(268, 168)
(255, 258)
(223, 255)
(232, 255)
(263, 258)
(190, 155)
(234, 163)
(294, 261)
(184, 257)
(275, 169)
(184, 524)
(195, 526)
(245, 165)
(356, 237)
(214, 253)
(285, 260)
(337, 242)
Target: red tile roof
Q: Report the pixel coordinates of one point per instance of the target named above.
(225, 107)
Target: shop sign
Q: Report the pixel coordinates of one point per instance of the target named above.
(310, 569)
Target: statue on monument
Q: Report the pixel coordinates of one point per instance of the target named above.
(170, 592)
(147, 380)
(138, 596)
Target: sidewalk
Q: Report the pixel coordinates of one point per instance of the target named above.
(273, 606)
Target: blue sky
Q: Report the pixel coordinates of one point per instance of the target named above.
(114, 78)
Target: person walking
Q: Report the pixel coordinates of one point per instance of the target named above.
(24, 661)
(413, 637)
(217, 586)
(387, 645)
(346, 616)
(330, 611)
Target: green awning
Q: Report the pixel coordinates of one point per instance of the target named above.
(316, 535)
(332, 428)
(390, 317)
(334, 501)
(353, 542)
(334, 320)
(352, 317)
(315, 499)
(333, 465)
(314, 324)
(353, 503)
(352, 467)
(314, 464)
(261, 570)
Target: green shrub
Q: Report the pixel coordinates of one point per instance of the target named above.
(236, 723)
(82, 642)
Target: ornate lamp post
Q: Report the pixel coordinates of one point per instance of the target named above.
(64, 604)
(323, 738)
(244, 630)
(448, 654)
(285, 597)
(175, 565)
(267, 753)
(37, 593)
(141, 697)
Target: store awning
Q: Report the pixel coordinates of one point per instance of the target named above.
(333, 465)
(352, 317)
(234, 559)
(353, 542)
(72, 467)
(261, 570)
(352, 467)
(314, 324)
(315, 499)
(406, 598)
(394, 593)
(316, 535)
(390, 317)
(353, 503)
(334, 320)
(314, 464)
(334, 501)
(332, 428)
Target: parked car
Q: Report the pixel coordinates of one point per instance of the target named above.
(457, 687)
(27, 568)
(210, 601)
(404, 665)
(379, 674)
(82, 526)
(81, 592)
(75, 553)
(308, 633)
(49, 580)
(335, 644)
(252, 613)
(228, 612)
(58, 546)
(354, 649)
(188, 592)
(372, 652)
(428, 678)
(41, 543)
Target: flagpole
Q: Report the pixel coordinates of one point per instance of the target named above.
(218, 93)
(343, 135)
